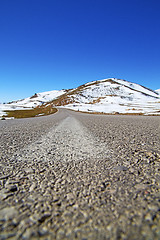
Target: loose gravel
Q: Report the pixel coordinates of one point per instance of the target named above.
(79, 176)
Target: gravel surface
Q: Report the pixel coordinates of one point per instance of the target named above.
(80, 176)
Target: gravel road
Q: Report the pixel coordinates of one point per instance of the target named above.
(80, 176)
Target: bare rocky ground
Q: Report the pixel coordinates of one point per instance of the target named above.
(80, 176)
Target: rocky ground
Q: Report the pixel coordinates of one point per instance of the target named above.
(79, 176)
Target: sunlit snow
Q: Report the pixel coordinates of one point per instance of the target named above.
(31, 102)
(107, 96)
(116, 96)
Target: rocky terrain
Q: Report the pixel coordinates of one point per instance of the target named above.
(80, 176)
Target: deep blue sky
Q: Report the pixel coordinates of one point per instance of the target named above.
(48, 44)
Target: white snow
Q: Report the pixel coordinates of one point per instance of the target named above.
(158, 91)
(31, 102)
(39, 99)
(5, 107)
(137, 87)
(116, 96)
(107, 96)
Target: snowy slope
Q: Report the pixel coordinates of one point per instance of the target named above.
(38, 99)
(31, 102)
(113, 95)
(107, 96)
(158, 91)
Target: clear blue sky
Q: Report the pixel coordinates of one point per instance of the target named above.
(48, 44)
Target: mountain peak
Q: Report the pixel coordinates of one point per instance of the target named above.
(107, 95)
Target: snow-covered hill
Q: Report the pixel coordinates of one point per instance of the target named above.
(37, 99)
(107, 96)
(112, 96)
(31, 102)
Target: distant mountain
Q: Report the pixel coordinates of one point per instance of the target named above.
(31, 102)
(37, 99)
(108, 96)
(111, 96)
